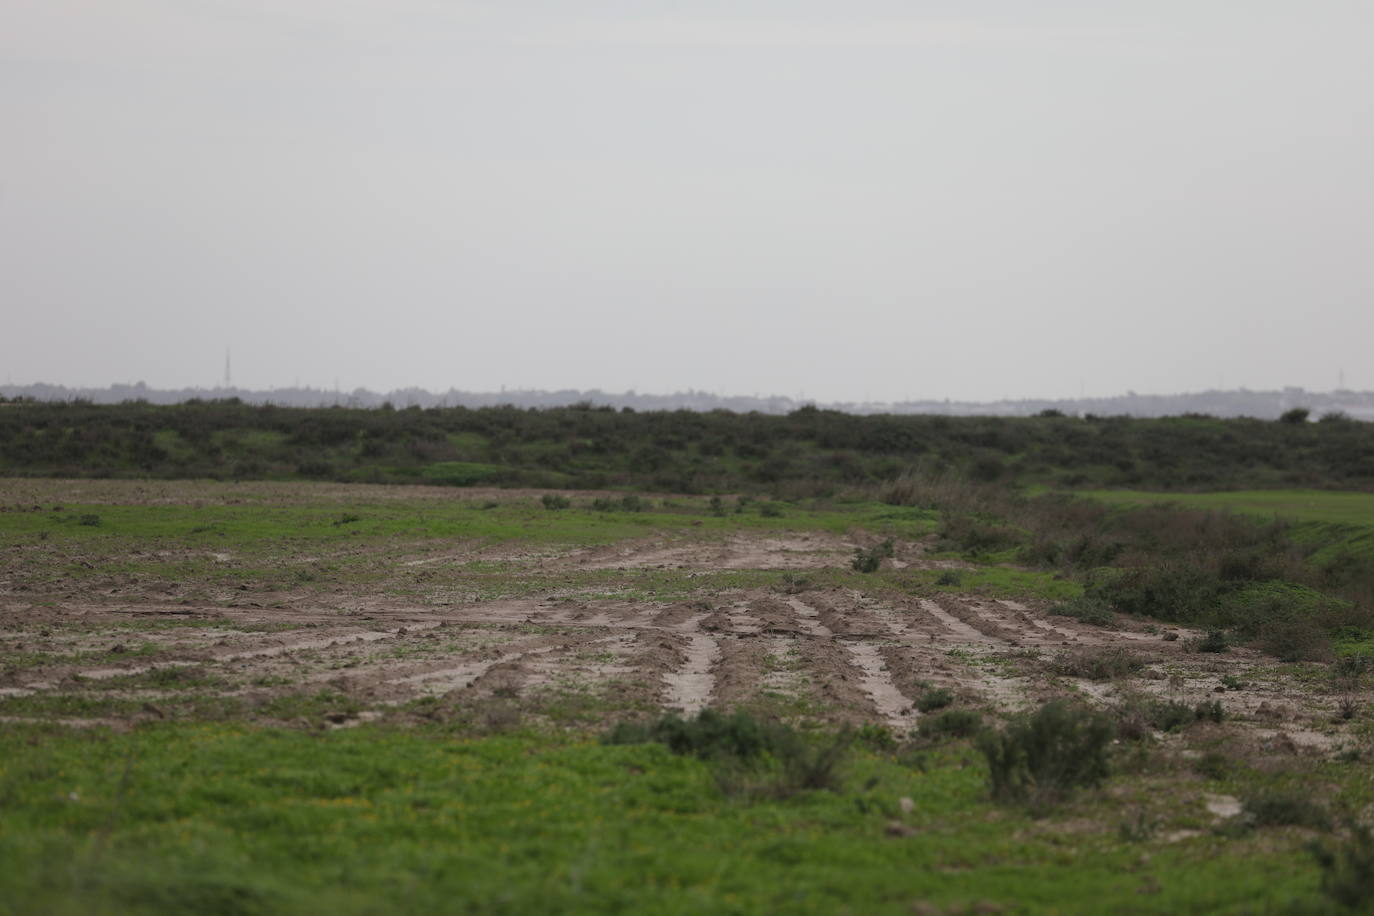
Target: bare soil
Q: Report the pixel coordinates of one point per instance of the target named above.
(833, 654)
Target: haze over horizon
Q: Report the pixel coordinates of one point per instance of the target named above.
(886, 202)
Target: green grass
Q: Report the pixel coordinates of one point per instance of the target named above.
(215, 819)
(220, 527)
(1331, 506)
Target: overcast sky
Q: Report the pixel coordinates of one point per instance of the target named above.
(867, 199)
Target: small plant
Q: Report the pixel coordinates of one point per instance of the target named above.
(866, 560)
(1138, 829)
(553, 501)
(1209, 712)
(1348, 869)
(935, 699)
(877, 737)
(770, 510)
(749, 757)
(347, 518)
(949, 577)
(717, 507)
(1278, 808)
(1213, 765)
(952, 723)
(1215, 641)
(1231, 682)
(1087, 609)
(90, 519)
(604, 504)
(1348, 707)
(1098, 664)
(632, 503)
(1044, 757)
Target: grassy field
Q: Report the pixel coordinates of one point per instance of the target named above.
(248, 698)
(1330, 506)
(209, 820)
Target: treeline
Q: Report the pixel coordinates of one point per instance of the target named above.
(807, 452)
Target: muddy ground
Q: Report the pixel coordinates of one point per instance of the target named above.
(85, 654)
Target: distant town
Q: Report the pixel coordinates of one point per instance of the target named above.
(1266, 405)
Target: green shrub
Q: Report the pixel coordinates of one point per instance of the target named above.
(1097, 664)
(770, 510)
(90, 519)
(1279, 808)
(1044, 757)
(878, 737)
(1286, 620)
(553, 501)
(866, 561)
(709, 734)
(949, 577)
(1348, 869)
(1214, 765)
(952, 723)
(967, 534)
(1215, 642)
(1087, 609)
(1172, 591)
(749, 757)
(935, 699)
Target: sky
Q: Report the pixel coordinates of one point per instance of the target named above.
(864, 200)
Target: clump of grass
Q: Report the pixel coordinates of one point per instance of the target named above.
(1281, 808)
(935, 699)
(749, 757)
(1348, 869)
(555, 501)
(1098, 664)
(1214, 765)
(1137, 718)
(949, 577)
(952, 723)
(90, 519)
(867, 561)
(1087, 609)
(1215, 642)
(1042, 758)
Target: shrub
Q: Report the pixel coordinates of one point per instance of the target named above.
(1098, 664)
(935, 699)
(1044, 757)
(1295, 416)
(866, 561)
(709, 734)
(1278, 808)
(749, 757)
(1087, 609)
(554, 501)
(1171, 591)
(90, 519)
(949, 577)
(1348, 869)
(1215, 642)
(770, 510)
(1213, 765)
(967, 534)
(952, 723)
